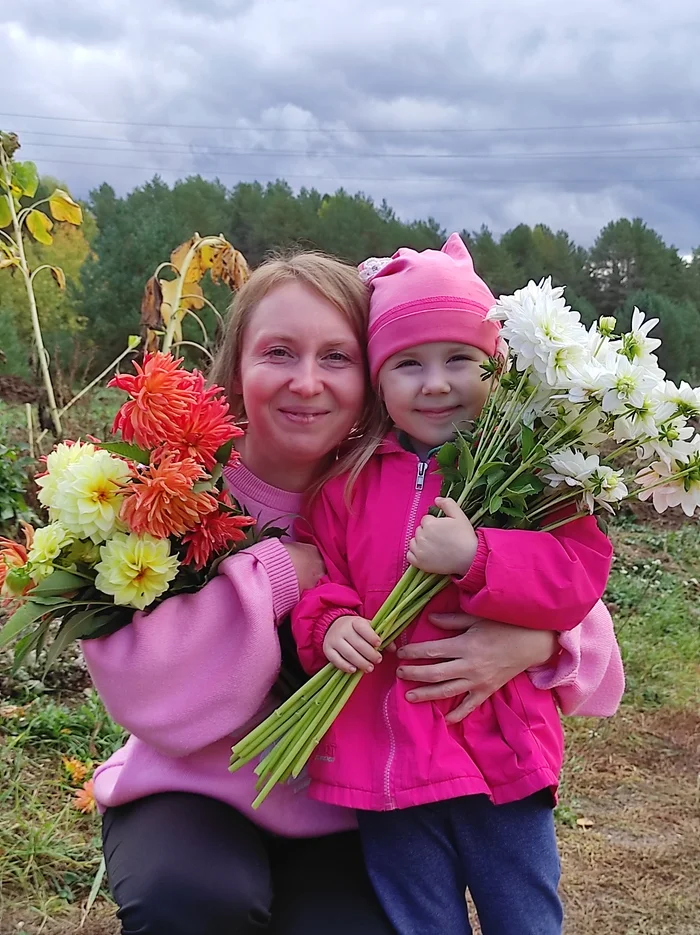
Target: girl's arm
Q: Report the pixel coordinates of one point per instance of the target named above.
(541, 580)
(200, 665)
(324, 525)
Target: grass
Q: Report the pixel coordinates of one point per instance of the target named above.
(628, 818)
(49, 851)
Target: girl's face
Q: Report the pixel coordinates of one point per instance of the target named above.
(428, 389)
(302, 378)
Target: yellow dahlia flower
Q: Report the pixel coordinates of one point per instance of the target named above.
(89, 496)
(135, 570)
(46, 547)
(58, 462)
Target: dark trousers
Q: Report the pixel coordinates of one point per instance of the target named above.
(422, 859)
(182, 864)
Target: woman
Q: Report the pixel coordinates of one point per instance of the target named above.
(185, 852)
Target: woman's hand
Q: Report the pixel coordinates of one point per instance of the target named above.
(475, 663)
(307, 562)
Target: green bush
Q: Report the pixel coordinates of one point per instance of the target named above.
(13, 479)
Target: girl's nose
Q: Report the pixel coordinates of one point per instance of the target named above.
(435, 382)
(307, 379)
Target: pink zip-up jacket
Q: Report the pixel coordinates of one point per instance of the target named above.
(195, 674)
(383, 752)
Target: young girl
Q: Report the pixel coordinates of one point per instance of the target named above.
(442, 805)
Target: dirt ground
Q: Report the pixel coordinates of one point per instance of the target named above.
(630, 845)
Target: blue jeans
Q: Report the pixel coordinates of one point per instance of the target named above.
(422, 859)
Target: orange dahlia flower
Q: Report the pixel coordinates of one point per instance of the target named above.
(161, 501)
(161, 395)
(84, 798)
(14, 555)
(217, 532)
(205, 427)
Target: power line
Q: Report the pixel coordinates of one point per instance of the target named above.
(640, 153)
(381, 178)
(528, 129)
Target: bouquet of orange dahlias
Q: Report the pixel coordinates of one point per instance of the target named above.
(132, 521)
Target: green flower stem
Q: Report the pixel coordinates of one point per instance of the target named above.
(329, 717)
(271, 759)
(283, 752)
(293, 744)
(280, 714)
(311, 716)
(571, 494)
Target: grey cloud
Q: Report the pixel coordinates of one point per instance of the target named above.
(379, 66)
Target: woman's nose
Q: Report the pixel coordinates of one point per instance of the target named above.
(307, 379)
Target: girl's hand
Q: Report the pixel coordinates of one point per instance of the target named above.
(475, 663)
(444, 545)
(351, 644)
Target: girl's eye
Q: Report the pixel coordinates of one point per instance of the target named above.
(460, 358)
(407, 363)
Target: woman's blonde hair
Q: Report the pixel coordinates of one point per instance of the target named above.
(336, 282)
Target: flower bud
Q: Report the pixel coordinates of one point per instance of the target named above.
(607, 325)
(17, 581)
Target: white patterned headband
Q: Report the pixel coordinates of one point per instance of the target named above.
(371, 266)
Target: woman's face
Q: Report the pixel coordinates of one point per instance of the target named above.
(302, 379)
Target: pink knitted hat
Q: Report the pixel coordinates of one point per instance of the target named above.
(424, 297)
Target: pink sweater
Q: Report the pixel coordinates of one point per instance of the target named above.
(382, 752)
(196, 673)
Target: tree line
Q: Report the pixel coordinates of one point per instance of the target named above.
(108, 261)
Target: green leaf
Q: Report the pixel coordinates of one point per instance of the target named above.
(490, 466)
(223, 454)
(527, 441)
(26, 178)
(39, 226)
(58, 583)
(495, 503)
(28, 644)
(495, 476)
(22, 618)
(526, 484)
(109, 622)
(125, 450)
(5, 215)
(94, 890)
(210, 482)
(466, 463)
(447, 455)
(70, 630)
(514, 511)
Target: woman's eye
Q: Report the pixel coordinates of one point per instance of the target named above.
(337, 357)
(278, 352)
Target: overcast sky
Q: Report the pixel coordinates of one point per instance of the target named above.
(496, 112)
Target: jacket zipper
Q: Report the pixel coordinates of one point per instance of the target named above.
(422, 470)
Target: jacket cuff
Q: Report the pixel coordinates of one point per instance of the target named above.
(475, 578)
(280, 571)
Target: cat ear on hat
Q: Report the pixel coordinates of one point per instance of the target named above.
(455, 247)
